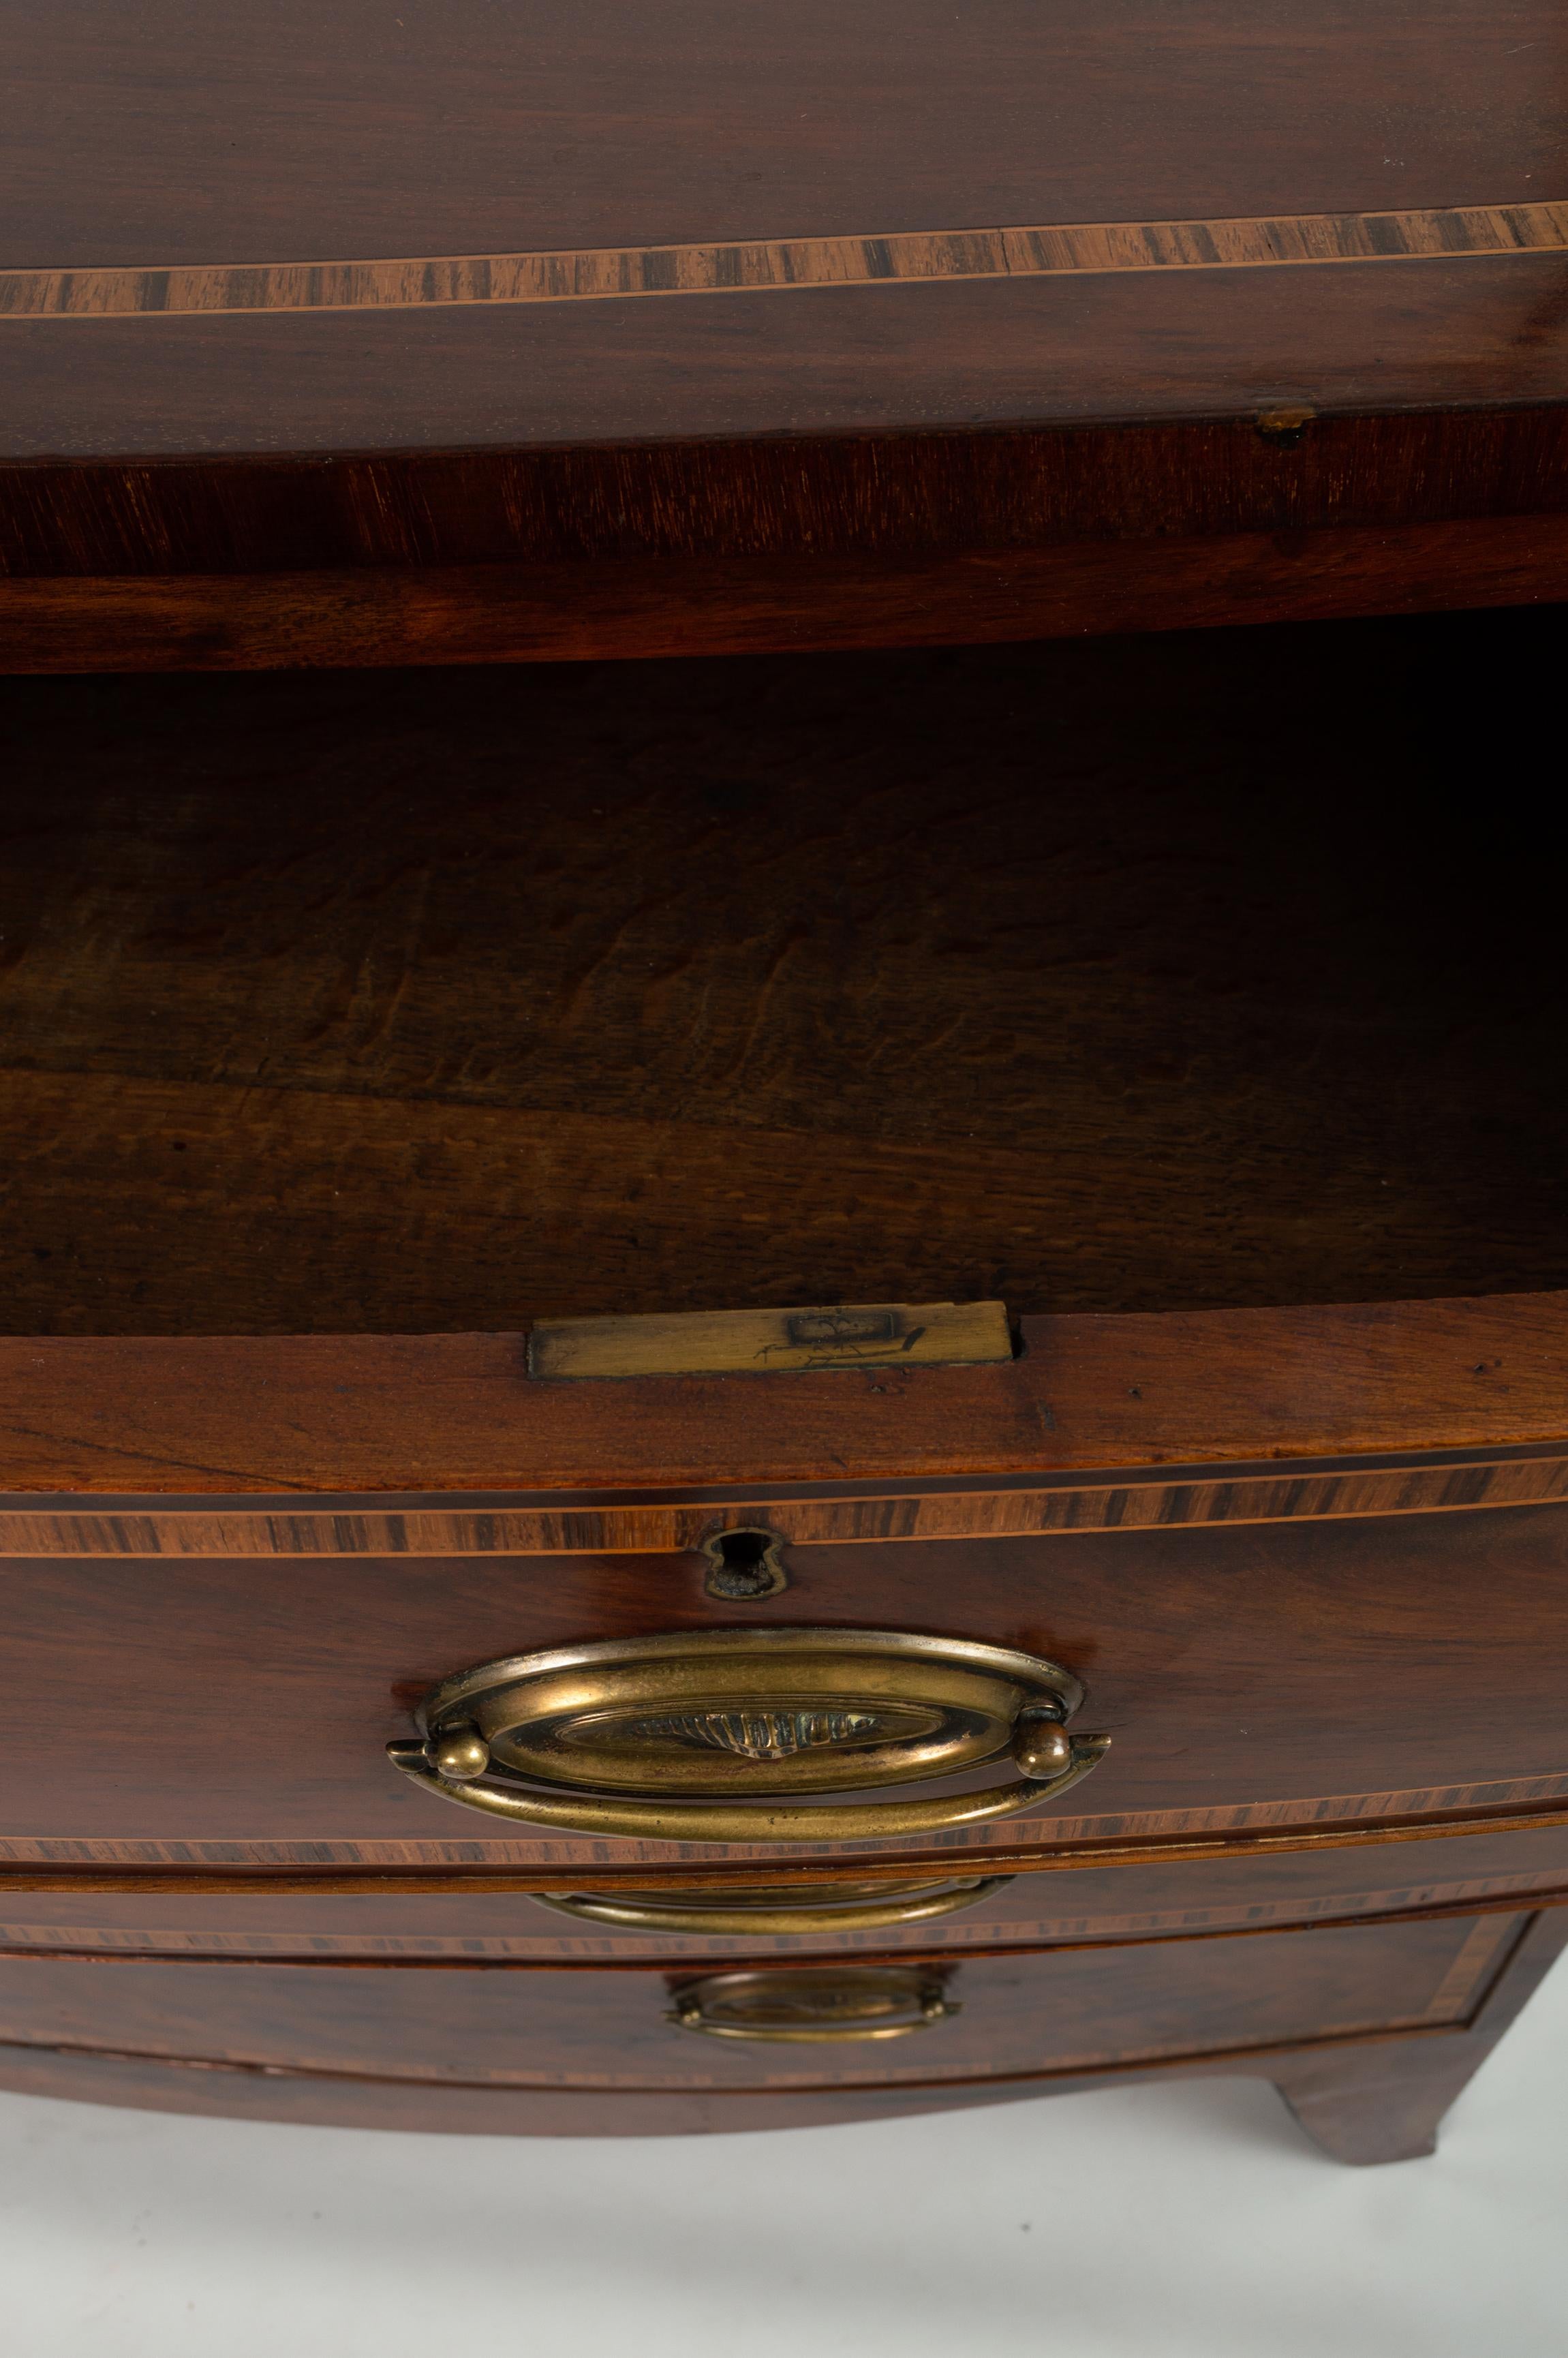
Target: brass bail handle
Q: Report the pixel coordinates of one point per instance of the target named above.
(767, 1910)
(722, 1736)
(818, 2004)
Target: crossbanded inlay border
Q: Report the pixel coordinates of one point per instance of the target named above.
(1298, 1494)
(334, 1867)
(986, 1932)
(1438, 233)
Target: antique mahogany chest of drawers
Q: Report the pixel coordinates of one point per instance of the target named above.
(785, 1313)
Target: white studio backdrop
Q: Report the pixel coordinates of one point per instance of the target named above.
(1154, 2222)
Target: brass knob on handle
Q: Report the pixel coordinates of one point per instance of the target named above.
(459, 1752)
(1041, 1744)
(725, 1735)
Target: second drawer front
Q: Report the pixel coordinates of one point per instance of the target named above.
(1106, 1903)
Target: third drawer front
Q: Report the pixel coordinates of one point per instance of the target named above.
(767, 2026)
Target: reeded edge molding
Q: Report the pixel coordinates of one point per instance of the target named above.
(1435, 234)
(1059, 1509)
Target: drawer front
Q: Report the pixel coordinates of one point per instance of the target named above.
(283, 1917)
(206, 1709)
(844, 2023)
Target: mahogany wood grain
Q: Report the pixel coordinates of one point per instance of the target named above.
(1470, 331)
(372, 1012)
(432, 1916)
(587, 2025)
(1476, 333)
(88, 1417)
(1307, 1674)
(89, 1865)
(507, 612)
(1384, 2101)
(347, 162)
(757, 520)
(1392, 2075)
(448, 1000)
(306, 136)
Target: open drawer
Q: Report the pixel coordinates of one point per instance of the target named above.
(355, 1036)
(217, 1684)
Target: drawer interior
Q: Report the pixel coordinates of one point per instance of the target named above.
(1212, 970)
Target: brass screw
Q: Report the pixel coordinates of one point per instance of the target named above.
(1286, 425)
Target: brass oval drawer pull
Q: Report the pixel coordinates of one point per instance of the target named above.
(722, 1736)
(808, 1908)
(844, 2002)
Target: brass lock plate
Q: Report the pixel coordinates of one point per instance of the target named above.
(772, 1342)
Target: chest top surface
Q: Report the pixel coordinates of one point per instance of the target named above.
(451, 222)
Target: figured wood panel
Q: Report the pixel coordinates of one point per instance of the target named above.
(313, 238)
(302, 142)
(543, 2026)
(507, 614)
(766, 516)
(1470, 332)
(457, 131)
(444, 1002)
(1366, 2099)
(147, 1208)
